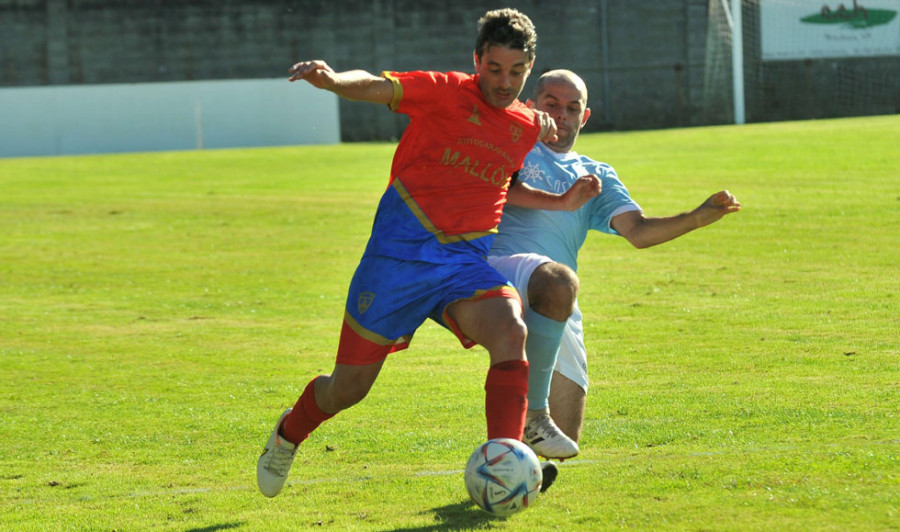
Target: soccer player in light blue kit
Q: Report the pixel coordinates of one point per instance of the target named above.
(537, 251)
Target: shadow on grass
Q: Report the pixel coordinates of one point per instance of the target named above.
(213, 528)
(460, 516)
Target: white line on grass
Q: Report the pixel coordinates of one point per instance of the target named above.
(369, 478)
(307, 482)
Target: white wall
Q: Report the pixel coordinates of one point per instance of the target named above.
(78, 119)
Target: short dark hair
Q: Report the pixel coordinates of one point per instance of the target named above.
(506, 27)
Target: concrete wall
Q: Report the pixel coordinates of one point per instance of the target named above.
(77, 119)
(644, 61)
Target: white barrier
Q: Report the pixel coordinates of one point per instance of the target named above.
(79, 119)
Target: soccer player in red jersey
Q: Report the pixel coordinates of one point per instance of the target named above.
(452, 172)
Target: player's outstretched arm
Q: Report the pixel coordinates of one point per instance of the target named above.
(644, 232)
(353, 84)
(585, 188)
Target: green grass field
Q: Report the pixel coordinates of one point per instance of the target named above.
(158, 312)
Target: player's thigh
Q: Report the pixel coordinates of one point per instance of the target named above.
(493, 322)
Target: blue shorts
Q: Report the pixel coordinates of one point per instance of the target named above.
(390, 298)
(411, 272)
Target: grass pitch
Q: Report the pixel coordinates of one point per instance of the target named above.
(158, 311)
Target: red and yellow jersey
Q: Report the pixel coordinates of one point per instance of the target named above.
(453, 165)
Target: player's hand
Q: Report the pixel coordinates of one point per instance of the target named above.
(717, 206)
(582, 190)
(547, 125)
(317, 73)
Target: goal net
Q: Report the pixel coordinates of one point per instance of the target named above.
(803, 59)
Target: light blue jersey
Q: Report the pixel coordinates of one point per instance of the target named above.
(560, 234)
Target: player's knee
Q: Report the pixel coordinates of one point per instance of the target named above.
(507, 335)
(514, 330)
(552, 291)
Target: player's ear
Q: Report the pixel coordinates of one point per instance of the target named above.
(587, 114)
(530, 103)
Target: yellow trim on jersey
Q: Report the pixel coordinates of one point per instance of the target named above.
(417, 211)
(398, 90)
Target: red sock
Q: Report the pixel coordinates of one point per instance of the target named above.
(505, 399)
(305, 416)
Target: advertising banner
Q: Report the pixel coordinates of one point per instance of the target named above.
(813, 29)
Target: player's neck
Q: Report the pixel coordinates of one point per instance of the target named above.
(558, 154)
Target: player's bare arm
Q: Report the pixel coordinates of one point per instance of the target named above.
(644, 232)
(356, 85)
(584, 188)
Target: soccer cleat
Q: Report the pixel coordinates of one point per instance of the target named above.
(549, 471)
(545, 438)
(275, 463)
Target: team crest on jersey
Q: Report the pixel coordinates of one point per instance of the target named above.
(474, 118)
(364, 301)
(515, 130)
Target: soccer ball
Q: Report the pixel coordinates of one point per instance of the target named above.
(503, 476)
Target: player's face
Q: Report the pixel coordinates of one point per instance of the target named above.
(502, 72)
(568, 106)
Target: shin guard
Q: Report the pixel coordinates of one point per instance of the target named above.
(505, 399)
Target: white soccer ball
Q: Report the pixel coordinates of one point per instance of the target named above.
(503, 476)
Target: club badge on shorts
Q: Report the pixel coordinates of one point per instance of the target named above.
(364, 302)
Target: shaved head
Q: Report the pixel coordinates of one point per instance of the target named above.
(563, 95)
(561, 76)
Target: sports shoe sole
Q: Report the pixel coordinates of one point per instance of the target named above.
(550, 472)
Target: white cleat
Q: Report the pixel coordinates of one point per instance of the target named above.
(275, 463)
(545, 438)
